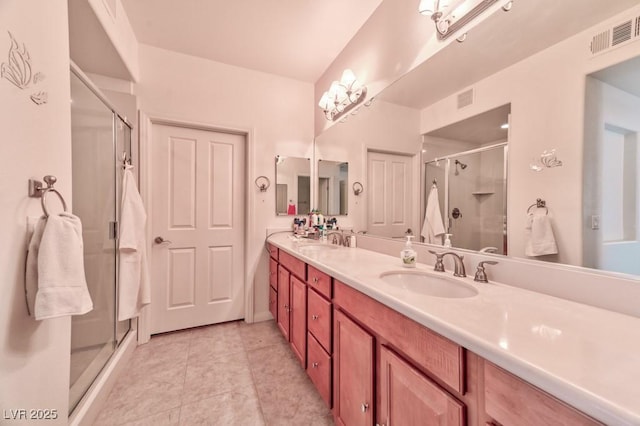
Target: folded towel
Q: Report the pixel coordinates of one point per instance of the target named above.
(539, 236)
(433, 227)
(62, 286)
(134, 286)
(31, 274)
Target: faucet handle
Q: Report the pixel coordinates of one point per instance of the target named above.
(481, 274)
(439, 266)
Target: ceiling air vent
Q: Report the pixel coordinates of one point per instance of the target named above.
(465, 98)
(621, 33)
(617, 35)
(600, 42)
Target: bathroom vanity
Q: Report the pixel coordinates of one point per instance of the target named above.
(385, 354)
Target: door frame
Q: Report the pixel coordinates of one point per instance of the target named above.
(146, 123)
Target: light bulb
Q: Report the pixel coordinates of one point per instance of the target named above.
(426, 7)
(348, 78)
(324, 101)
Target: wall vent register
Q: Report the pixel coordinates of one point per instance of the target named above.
(617, 35)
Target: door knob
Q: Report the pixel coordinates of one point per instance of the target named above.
(364, 407)
(160, 240)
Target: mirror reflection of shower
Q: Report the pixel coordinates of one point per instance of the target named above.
(462, 166)
(468, 160)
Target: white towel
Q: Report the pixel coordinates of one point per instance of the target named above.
(31, 270)
(539, 236)
(62, 286)
(433, 227)
(135, 290)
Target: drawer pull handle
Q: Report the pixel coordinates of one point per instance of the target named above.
(314, 317)
(364, 407)
(315, 279)
(314, 365)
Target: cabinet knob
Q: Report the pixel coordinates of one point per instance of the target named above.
(314, 317)
(315, 279)
(314, 365)
(364, 407)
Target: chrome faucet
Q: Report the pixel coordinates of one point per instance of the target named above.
(481, 275)
(338, 238)
(458, 265)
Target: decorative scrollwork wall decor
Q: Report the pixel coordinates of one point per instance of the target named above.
(18, 71)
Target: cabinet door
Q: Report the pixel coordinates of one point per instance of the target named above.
(408, 398)
(273, 273)
(298, 314)
(353, 373)
(283, 301)
(273, 303)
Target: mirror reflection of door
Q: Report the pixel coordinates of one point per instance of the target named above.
(610, 237)
(323, 195)
(343, 197)
(304, 195)
(281, 198)
(390, 196)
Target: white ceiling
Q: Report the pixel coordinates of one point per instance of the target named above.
(293, 38)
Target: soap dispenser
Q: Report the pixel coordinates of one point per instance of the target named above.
(408, 255)
(447, 240)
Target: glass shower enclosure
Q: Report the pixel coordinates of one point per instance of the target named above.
(472, 194)
(99, 139)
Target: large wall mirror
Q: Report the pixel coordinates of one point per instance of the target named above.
(333, 178)
(556, 87)
(293, 185)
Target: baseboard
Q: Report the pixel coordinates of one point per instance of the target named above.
(89, 407)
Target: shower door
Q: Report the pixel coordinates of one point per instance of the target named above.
(98, 135)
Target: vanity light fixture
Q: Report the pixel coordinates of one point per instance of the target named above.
(451, 15)
(342, 96)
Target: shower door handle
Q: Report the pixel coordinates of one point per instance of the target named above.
(160, 240)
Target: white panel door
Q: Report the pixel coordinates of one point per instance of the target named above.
(198, 211)
(390, 194)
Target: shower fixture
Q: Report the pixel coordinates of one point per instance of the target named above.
(462, 166)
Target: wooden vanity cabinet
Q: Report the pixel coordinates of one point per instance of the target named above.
(292, 303)
(510, 400)
(284, 306)
(320, 331)
(353, 375)
(298, 318)
(407, 397)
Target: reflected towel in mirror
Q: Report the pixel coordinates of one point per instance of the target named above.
(433, 227)
(539, 236)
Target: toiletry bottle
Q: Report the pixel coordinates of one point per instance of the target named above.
(352, 241)
(447, 240)
(408, 255)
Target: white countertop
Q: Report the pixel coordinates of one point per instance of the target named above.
(586, 356)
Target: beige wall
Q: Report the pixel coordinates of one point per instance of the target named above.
(34, 356)
(276, 110)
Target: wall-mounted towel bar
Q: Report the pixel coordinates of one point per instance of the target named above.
(539, 204)
(37, 190)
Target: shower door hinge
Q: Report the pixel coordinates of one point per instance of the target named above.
(113, 230)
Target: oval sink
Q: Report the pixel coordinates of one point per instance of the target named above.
(428, 284)
(316, 248)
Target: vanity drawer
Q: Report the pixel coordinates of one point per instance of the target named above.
(319, 318)
(319, 281)
(436, 354)
(273, 251)
(319, 368)
(273, 273)
(273, 303)
(512, 401)
(296, 266)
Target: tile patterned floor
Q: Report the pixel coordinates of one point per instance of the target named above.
(228, 374)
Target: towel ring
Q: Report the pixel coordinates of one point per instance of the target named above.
(357, 188)
(539, 204)
(44, 199)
